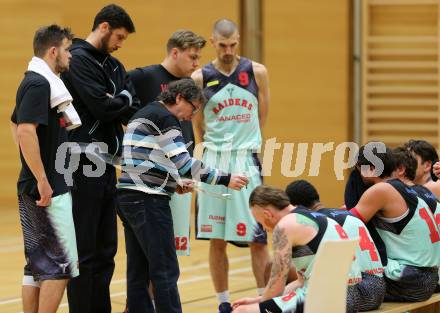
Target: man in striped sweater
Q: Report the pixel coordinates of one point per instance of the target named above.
(154, 160)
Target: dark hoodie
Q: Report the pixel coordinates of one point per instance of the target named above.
(92, 75)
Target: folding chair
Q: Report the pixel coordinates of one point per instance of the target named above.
(327, 289)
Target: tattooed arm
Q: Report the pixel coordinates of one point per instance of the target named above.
(282, 256)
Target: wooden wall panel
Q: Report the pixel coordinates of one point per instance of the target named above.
(400, 97)
(306, 50)
(18, 22)
(154, 20)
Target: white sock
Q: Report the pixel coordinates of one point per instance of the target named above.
(223, 296)
(260, 291)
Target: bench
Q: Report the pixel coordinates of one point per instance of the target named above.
(429, 306)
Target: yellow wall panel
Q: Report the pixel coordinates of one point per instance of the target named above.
(154, 20)
(306, 50)
(400, 71)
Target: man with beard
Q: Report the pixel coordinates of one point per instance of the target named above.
(230, 124)
(44, 199)
(104, 99)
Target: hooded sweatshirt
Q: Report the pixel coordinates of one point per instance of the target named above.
(102, 95)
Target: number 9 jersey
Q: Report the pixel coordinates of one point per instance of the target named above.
(231, 113)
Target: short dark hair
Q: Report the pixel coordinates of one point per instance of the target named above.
(115, 16)
(403, 157)
(301, 192)
(184, 39)
(265, 195)
(425, 151)
(225, 28)
(385, 157)
(49, 36)
(185, 87)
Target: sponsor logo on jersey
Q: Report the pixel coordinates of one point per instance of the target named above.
(206, 228)
(63, 266)
(216, 218)
(240, 118)
(213, 83)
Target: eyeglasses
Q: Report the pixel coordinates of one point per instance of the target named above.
(195, 109)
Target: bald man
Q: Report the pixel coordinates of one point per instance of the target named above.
(230, 125)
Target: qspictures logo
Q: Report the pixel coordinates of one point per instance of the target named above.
(161, 145)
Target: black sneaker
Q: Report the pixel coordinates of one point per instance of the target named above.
(225, 307)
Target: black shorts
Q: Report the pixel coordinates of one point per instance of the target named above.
(49, 238)
(371, 292)
(416, 284)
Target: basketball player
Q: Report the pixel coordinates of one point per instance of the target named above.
(297, 234)
(44, 198)
(230, 125)
(183, 55)
(428, 192)
(407, 227)
(372, 287)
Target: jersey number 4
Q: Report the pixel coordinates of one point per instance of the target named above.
(366, 244)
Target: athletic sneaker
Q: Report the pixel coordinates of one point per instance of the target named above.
(225, 307)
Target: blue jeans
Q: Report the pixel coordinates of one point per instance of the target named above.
(151, 252)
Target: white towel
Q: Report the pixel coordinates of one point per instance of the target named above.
(59, 95)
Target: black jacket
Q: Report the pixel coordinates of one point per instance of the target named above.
(92, 75)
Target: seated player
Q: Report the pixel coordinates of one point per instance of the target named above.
(372, 287)
(432, 198)
(406, 162)
(357, 184)
(426, 157)
(406, 226)
(354, 188)
(428, 192)
(297, 234)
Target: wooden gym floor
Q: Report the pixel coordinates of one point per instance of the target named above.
(196, 291)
